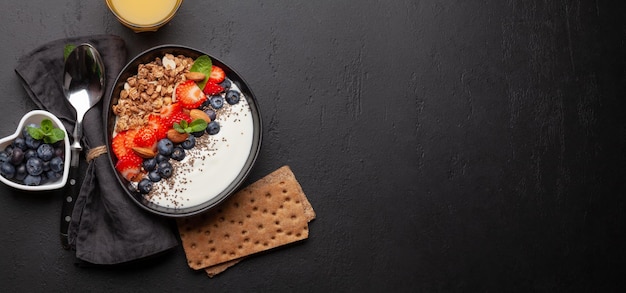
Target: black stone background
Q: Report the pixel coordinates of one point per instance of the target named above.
(446, 146)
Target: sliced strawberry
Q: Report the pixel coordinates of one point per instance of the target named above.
(176, 118)
(169, 110)
(212, 88)
(145, 137)
(159, 125)
(129, 166)
(189, 95)
(118, 145)
(129, 141)
(217, 74)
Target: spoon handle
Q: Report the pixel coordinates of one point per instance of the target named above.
(71, 192)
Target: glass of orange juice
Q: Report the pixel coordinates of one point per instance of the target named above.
(144, 15)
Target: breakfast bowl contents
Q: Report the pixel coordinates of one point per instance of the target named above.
(183, 130)
(36, 157)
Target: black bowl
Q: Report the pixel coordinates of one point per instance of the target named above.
(109, 122)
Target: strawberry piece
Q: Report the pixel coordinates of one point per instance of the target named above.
(129, 141)
(118, 145)
(145, 137)
(159, 125)
(217, 74)
(177, 117)
(212, 88)
(169, 110)
(129, 166)
(189, 95)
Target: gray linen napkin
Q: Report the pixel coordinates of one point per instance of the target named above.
(107, 227)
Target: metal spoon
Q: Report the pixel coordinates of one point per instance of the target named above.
(83, 86)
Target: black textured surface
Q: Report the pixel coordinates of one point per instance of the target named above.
(445, 146)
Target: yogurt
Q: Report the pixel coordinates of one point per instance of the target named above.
(213, 164)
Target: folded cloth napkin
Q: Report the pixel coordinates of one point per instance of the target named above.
(106, 227)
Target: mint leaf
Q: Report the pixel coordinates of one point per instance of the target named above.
(197, 125)
(35, 132)
(67, 50)
(204, 65)
(178, 128)
(46, 126)
(46, 132)
(56, 135)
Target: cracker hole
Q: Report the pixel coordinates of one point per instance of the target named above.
(207, 233)
(265, 211)
(280, 207)
(268, 195)
(277, 223)
(211, 241)
(232, 253)
(236, 204)
(289, 233)
(215, 225)
(273, 237)
(193, 246)
(260, 227)
(244, 232)
(252, 200)
(199, 263)
(246, 240)
(282, 183)
(212, 249)
(257, 242)
(287, 198)
(284, 190)
(248, 216)
(226, 235)
(273, 213)
(265, 244)
(240, 247)
(255, 209)
(232, 221)
(240, 223)
(297, 201)
(298, 234)
(279, 230)
(222, 219)
(224, 252)
(293, 216)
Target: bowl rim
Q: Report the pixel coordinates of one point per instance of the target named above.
(108, 124)
(32, 117)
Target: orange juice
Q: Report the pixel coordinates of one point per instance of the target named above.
(144, 15)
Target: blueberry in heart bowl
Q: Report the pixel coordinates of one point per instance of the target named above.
(36, 157)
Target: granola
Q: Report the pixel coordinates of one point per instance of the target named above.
(149, 90)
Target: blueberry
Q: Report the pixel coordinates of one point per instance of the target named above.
(217, 102)
(232, 97)
(46, 166)
(56, 164)
(197, 133)
(154, 176)
(226, 84)
(7, 170)
(44, 178)
(30, 153)
(165, 147)
(45, 152)
(178, 154)
(9, 150)
(59, 152)
(4, 157)
(32, 180)
(25, 130)
(165, 169)
(149, 164)
(206, 103)
(144, 186)
(54, 176)
(17, 157)
(34, 166)
(162, 158)
(213, 128)
(211, 113)
(189, 143)
(32, 143)
(20, 172)
(20, 143)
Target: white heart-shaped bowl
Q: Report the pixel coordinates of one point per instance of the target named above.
(35, 117)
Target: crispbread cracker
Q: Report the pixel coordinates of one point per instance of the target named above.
(269, 213)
